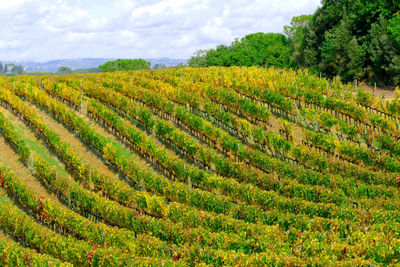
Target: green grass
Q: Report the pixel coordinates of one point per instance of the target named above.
(3, 198)
(114, 140)
(39, 149)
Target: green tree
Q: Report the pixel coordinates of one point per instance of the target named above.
(261, 49)
(221, 56)
(394, 27)
(64, 70)
(17, 70)
(159, 66)
(1, 68)
(296, 33)
(258, 49)
(9, 67)
(125, 64)
(199, 59)
(311, 52)
(341, 53)
(384, 53)
(359, 17)
(88, 70)
(180, 65)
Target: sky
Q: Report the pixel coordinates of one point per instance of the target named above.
(42, 30)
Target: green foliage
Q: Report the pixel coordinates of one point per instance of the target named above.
(310, 52)
(125, 64)
(88, 70)
(258, 49)
(11, 70)
(159, 66)
(17, 70)
(296, 33)
(341, 53)
(394, 27)
(38, 73)
(199, 59)
(346, 37)
(357, 39)
(384, 53)
(64, 70)
(180, 65)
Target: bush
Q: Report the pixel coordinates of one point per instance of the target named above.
(125, 64)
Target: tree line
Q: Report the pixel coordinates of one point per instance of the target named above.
(125, 64)
(355, 39)
(11, 68)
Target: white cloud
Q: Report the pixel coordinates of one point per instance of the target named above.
(46, 29)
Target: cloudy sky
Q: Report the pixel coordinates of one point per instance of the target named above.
(42, 30)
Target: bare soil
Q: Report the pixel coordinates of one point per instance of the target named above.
(387, 92)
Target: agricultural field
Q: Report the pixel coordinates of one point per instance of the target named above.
(213, 166)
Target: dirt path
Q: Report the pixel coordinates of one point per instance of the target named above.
(388, 93)
(298, 135)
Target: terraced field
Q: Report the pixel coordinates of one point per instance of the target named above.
(217, 166)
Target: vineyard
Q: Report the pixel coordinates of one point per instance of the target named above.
(214, 166)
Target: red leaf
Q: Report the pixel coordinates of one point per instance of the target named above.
(90, 254)
(176, 258)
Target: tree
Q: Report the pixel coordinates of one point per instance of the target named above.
(394, 27)
(64, 70)
(17, 70)
(125, 64)
(271, 49)
(258, 49)
(394, 69)
(88, 70)
(199, 59)
(321, 41)
(384, 53)
(311, 52)
(341, 53)
(159, 66)
(1, 68)
(221, 56)
(180, 65)
(296, 33)
(261, 49)
(9, 67)
(5, 68)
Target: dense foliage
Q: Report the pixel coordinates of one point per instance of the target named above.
(125, 64)
(353, 39)
(64, 70)
(258, 49)
(11, 69)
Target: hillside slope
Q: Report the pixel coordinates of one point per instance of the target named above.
(222, 166)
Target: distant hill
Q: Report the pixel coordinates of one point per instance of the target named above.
(84, 63)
